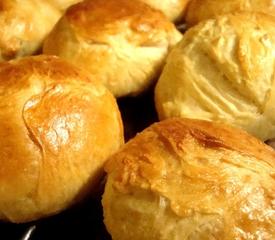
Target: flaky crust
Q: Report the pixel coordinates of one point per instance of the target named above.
(23, 26)
(223, 70)
(199, 10)
(173, 9)
(120, 42)
(57, 127)
(191, 179)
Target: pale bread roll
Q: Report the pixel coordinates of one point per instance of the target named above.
(223, 70)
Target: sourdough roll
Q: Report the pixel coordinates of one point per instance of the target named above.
(173, 9)
(57, 127)
(191, 179)
(120, 42)
(23, 26)
(223, 70)
(199, 10)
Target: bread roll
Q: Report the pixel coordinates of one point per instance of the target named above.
(57, 127)
(24, 25)
(223, 70)
(173, 9)
(191, 179)
(123, 43)
(199, 10)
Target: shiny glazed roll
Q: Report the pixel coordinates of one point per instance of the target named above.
(191, 179)
(57, 127)
(173, 9)
(223, 70)
(123, 43)
(23, 26)
(199, 10)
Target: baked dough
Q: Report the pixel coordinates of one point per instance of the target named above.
(191, 180)
(223, 70)
(173, 9)
(120, 42)
(199, 10)
(23, 26)
(57, 127)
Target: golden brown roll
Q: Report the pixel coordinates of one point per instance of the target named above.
(199, 10)
(122, 43)
(24, 25)
(223, 70)
(191, 179)
(57, 127)
(173, 9)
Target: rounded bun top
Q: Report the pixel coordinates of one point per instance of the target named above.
(51, 67)
(24, 25)
(223, 70)
(99, 20)
(121, 43)
(43, 68)
(57, 127)
(191, 179)
(199, 10)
